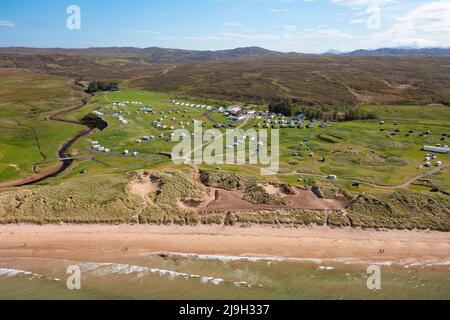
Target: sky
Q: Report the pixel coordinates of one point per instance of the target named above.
(308, 26)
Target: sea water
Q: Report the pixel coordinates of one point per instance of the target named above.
(183, 276)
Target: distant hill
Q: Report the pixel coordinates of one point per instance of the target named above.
(253, 74)
(165, 55)
(332, 52)
(401, 52)
(158, 55)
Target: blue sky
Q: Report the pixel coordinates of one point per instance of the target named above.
(287, 25)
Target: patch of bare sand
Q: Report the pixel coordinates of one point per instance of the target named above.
(230, 201)
(144, 188)
(199, 204)
(274, 190)
(303, 199)
(306, 199)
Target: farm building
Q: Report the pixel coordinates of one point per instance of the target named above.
(441, 150)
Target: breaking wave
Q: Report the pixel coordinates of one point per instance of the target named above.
(104, 269)
(11, 273)
(269, 259)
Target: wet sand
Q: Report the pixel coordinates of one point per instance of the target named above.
(102, 243)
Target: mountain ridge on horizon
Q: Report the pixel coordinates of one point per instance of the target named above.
(172, 54)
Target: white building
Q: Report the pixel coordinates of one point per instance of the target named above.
(234, 109)
(441, 150)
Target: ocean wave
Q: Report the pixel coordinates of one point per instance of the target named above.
(221, 258)
(318, 261)
(323, 268)
(17, 272)
(104, 269)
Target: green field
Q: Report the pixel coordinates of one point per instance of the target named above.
(120, 137)
(362, 151)
(28, 141)
(354, 151)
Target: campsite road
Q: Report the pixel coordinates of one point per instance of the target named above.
(404, 185)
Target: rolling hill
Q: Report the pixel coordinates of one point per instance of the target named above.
(402, 52)
(154, 54)
(252, 75)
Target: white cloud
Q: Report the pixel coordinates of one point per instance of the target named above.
(427, 25)
(363, 3)
(423, 24)
(233, 24)
(7, 24)
(356, 21)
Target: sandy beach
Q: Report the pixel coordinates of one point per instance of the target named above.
(107, 243)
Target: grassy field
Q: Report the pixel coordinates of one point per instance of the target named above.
(119, 137)
(359, 151)
(363, 151)
(28, 141)
(354, 151)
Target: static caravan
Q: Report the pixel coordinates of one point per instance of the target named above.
(441, 150)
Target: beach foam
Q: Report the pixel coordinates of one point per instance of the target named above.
(17, 272)
(104, 269)
(270, 259)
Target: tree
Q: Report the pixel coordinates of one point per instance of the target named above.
(281, 106)
(97, 86)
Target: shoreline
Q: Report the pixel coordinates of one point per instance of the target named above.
(105, 243)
